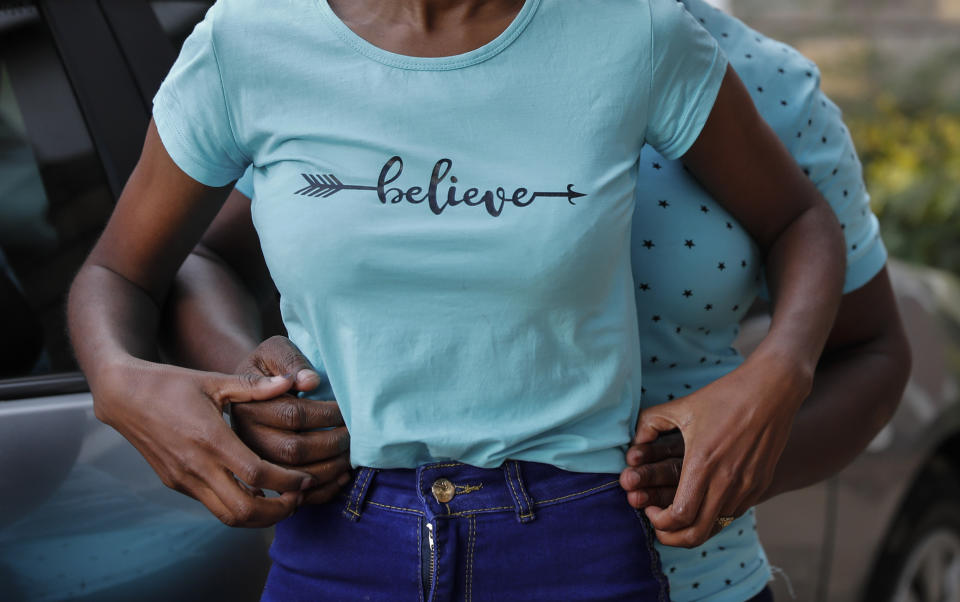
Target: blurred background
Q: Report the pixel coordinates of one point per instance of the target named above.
(892, 66)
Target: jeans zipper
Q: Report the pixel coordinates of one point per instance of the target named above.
(428, 577)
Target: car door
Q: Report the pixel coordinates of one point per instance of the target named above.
(82, 516)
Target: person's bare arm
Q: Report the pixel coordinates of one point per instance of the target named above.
(213, 320)
(222, 302)
(172, 415)
(736, 428)
(856, 389)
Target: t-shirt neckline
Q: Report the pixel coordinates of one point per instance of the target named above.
(422, 63)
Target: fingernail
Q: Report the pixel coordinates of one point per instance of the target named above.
(308, 483)
(305, 373)
(278, 379)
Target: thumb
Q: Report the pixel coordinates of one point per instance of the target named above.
(281, 356)
(655, 420)
(235, 388)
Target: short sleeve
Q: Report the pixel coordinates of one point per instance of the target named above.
(245, 184)
(686, 72)
(826, 152)
(192, 115)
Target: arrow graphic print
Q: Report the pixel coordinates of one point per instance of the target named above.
(326, 185)
(493, 200)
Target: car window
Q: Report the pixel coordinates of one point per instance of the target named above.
(177, 18)
(54, 198)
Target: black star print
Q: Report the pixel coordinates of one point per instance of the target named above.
(783, 102)
(845, 193)
(644, 286)
(686, 386)
(834, 172)
(678, 330)
(656, 165)
(648, 244)
(687, 292)
(748, 55)
(843, 226)
(670, 397)
(806, 171)
(673, 569)
(663, 204)
(654, 360)
(673, 365)
(704, 209)
(742, 565)
(643, 390)
(703, 359)
(727, 581)
(696, 584)
(780, 70)
(708, 332)
(736, 307)
(703, 554)
(718, 362)
(759, 88)
(799, 134)
(823, 139)
(743, 263)
(809, 122)
(809, 74)
(689, 244)
(655, 318)
(725, 34)
(729, 226)
(854, 247)
(721, 266)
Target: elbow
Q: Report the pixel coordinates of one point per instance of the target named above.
(899, 365)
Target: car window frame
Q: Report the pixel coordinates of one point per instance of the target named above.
(115, 116)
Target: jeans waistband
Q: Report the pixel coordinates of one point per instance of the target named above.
(454, 489)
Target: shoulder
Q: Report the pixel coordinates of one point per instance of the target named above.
(756, 57)
(251, 21)
(250, 34)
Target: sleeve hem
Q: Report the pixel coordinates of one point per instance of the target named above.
(176, 146)
(706, 94)
(865, 266)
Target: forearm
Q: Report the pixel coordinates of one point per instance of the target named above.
(853, 397)
(804, 267)
(112, 324)
(210, 319)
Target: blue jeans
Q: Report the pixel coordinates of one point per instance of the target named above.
(450, 531)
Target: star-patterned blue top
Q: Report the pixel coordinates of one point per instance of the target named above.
(697, 271)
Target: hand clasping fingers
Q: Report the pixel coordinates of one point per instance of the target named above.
(243, 509)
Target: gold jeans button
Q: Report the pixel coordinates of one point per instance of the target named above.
(443, 490)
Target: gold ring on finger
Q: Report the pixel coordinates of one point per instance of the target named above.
(724, 521)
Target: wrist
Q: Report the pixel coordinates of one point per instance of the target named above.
(114, 382)
(791, 370)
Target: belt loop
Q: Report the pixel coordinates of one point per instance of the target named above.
(358, 493)
(522, 502)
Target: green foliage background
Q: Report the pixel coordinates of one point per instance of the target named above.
(911, 160)
(893, 66)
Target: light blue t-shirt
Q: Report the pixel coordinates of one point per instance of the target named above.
(697, 271)
(450, 236)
